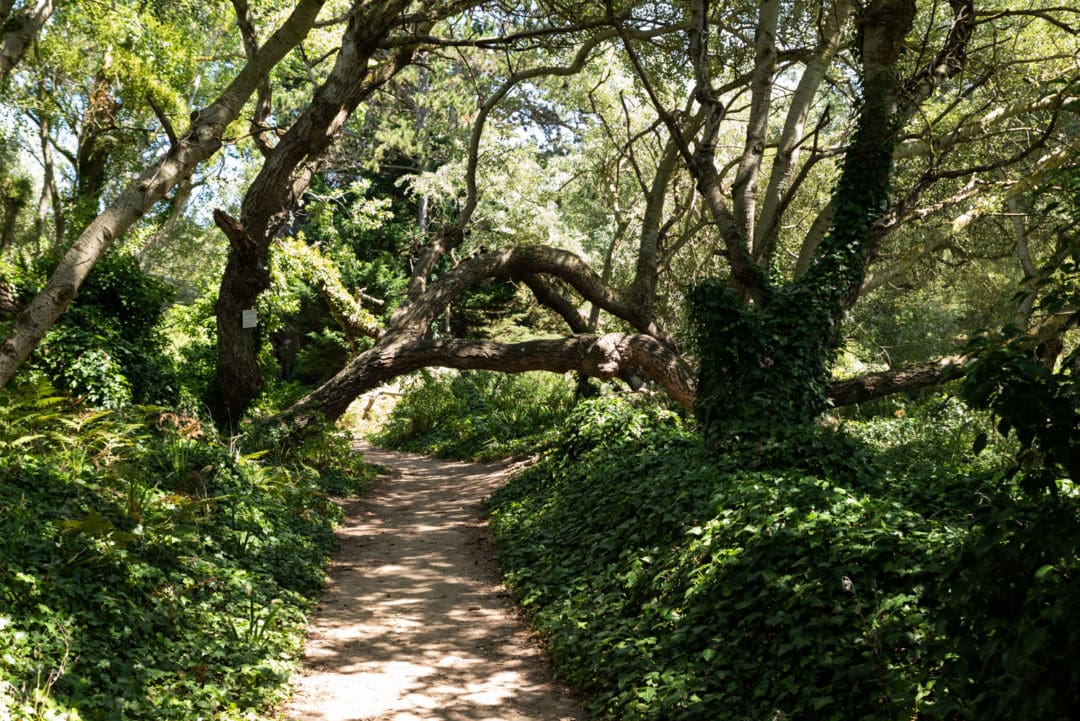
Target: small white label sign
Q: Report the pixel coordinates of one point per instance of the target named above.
(250, 318)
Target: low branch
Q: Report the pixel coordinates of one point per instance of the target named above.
(514, 262)
(877, 385)
(603, 357)
(547, 295)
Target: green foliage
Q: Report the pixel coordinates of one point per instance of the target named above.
(931, 434)
(148, 571)
(806, 576)
(759, 370)
(1009, 612)
(1035, 401)
(350, 240)
(478, 415)
(489, 310)
(325, 452)
(108, 348)
(192, 333)
(1019, 378)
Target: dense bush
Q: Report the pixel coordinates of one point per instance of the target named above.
(477, 415)
(810, 577)
(149, 572)
(108, 348)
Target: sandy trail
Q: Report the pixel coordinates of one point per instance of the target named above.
(414, 623)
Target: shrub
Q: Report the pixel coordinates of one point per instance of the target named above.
(108, 348)
(477, 415)
(146, 570)
(811, 578)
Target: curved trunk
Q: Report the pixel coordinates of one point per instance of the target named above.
(603, 357)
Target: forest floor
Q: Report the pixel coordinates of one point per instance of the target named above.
(414, 623)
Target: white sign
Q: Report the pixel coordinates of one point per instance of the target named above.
(250, 318)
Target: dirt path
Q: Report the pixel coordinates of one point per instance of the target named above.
(414, 624)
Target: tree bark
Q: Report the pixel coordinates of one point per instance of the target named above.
(603, 357)
(50, 196)
(202, 140)
(19, 31)
(767, 230)
(877, 385)
(516, 262)
(642, 291)
(9, 304)
(768, 367)
(745, 187)
(284, 177)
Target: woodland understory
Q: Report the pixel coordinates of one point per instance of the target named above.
(782, 223)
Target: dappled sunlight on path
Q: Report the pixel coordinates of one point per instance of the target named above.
(414, 624)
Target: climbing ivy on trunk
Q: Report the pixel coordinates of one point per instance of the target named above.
(765, 367)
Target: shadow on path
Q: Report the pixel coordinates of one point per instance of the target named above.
(414, 623)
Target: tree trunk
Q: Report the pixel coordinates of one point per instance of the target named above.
(18, 32)
(285, 175)
(603, 357)
(405, 346)
(878, 385)
(745, 187)
(766, 368)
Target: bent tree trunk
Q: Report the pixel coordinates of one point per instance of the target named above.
(604, 357)
(201, 141)
(405, 346)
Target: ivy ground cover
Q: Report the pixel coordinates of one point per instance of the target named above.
(147, 572)
(811, 577)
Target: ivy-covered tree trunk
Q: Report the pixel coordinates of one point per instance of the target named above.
(766, 366)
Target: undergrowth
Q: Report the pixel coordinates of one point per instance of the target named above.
(148, 571)
(814, 576)
(477, 415)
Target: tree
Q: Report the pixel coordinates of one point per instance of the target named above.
(201, 140)
(765, 345)
(285, 175)
(613, 155)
